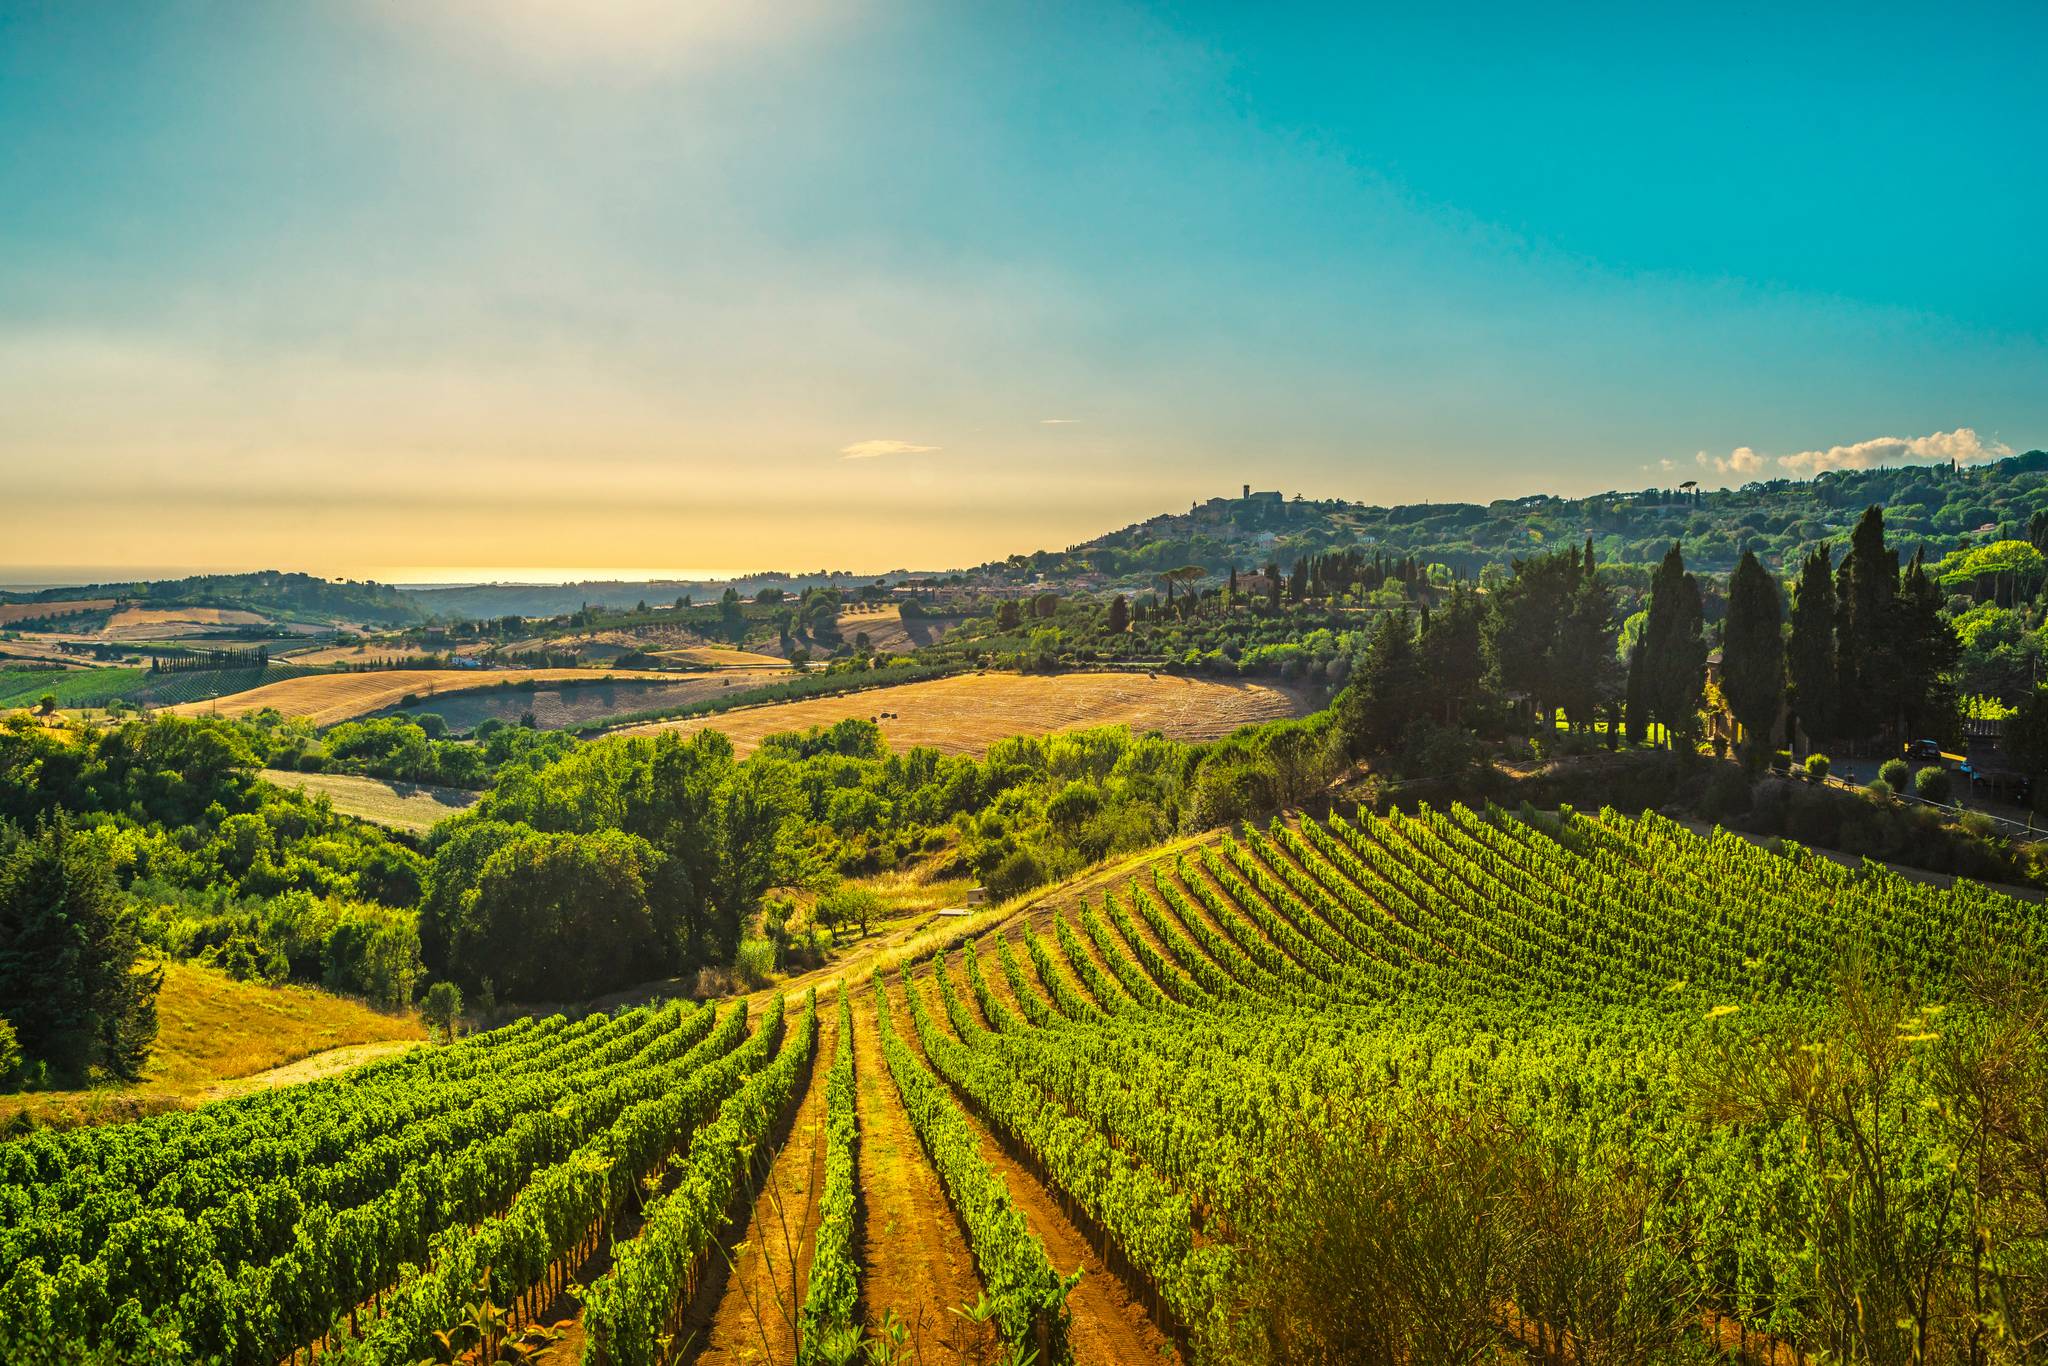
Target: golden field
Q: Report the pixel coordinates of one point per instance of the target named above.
(217, 1036)
(326, 699)
(967, 713)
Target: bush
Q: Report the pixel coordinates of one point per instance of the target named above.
(1895, 774)
(1934, 784)
(1817, 767)
(442, 1008)
(1728, 792)
(1880, 791)
(755, 962)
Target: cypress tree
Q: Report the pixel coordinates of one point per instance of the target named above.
(1675, 650)
(1753, 656)
(1637, 700)
(1866, 629)
(1815, 687)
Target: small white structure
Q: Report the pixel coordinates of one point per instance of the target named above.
(977, 896)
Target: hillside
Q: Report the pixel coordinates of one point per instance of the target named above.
(217, 1036)
(301, 597)
(1780, 519)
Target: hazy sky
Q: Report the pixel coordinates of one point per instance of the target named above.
(433, 287)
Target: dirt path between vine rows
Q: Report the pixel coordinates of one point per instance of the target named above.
(914, 1260)
(1110, 1326)
(754, 1320)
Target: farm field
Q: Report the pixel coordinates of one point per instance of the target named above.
(169, 623)
(967, 713)
(1101, 1088)
(585, 702)
(412, 807)
(11, 612)
(722, 657)
(886, 630)
(325, 699)
(218, 1036)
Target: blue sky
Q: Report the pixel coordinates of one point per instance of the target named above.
(428, 288)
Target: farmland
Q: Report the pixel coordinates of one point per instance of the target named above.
(412, 807)
(14, 612)
(591, 697)
(967, 713)
(325, 699)
(1101, 1088)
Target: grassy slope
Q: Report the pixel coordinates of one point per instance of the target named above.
(213, 1029)
(412, 807)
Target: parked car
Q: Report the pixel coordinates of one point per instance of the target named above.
(1924, 751)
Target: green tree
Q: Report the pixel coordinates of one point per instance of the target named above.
(1675, 650)
(1866, 626)
(1753, 657)
(68, 957)
(1119, 615)
(1928, 650)
(2026, 739)
(442, 1008)
(1815, 690)
(562, 917)
(1453, 654)
(1389, 693)
(732, 618)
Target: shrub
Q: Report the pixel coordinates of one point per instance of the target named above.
(755, 962)
(1728, 791)
(1895, 774)
(1879, 790)
(1933, 784)
(442, 1008)
(1817, 767)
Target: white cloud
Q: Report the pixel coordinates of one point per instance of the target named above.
(1058, 421)
(869, 450)
(1743, 460)
(1962, 445)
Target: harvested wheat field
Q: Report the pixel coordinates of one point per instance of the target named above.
(352, 652)
(722, 657)
(325, 699)
(886, 630)
(967, 713)
(11, 612)
(163, 623)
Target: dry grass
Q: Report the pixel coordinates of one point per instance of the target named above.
(884, 627)
(722, 657)
(412, 807)
(967, 713)
(29, 611)
(361, 652)
(218, 1035)
(162, 623)
(325, 699)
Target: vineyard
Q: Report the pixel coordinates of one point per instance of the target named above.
(1111, 1101)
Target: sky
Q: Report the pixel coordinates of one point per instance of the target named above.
(452, 289)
